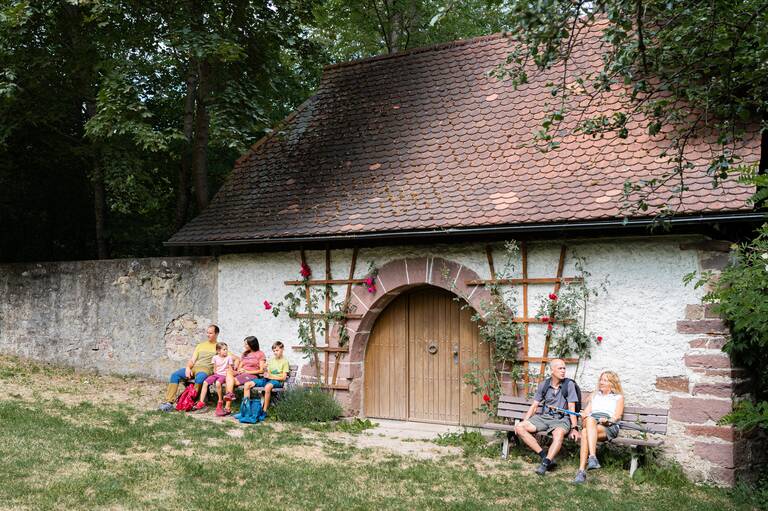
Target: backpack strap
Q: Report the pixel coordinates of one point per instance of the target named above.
(544, 390)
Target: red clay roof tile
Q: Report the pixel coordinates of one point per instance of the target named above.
(426, 140)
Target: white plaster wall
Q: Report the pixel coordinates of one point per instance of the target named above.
(636, 315)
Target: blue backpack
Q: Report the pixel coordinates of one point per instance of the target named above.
(250, 411)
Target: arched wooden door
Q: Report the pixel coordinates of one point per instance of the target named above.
(419, 350)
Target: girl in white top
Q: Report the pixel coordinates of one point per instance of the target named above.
(599, 421)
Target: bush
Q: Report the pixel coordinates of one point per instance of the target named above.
(306, 404)
(472, 443)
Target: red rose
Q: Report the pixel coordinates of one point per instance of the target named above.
(486, 398)
(549, 326)
(545, 319)
(267, 305)
(369, 281)
(552, 296)
(599, 339)
(305, 271)
(371, 289)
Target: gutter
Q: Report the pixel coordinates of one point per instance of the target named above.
(595, 225)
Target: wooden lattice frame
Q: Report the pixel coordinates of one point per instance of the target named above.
(326, 349)
(525, 281)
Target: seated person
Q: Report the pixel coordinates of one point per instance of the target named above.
(274, 378)
(600, 421)
(560, 393)
(199, 366)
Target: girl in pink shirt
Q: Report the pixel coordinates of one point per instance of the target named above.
(223, 362)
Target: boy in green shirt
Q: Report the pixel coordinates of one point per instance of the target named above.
(276, 374)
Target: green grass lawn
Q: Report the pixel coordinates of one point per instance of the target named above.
(59, 454)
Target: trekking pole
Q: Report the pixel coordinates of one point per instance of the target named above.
(622, 424)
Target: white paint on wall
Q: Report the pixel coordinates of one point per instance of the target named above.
(636, 315)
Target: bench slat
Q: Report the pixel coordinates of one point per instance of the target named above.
(498, 427)
(645, 419)
(646, 411)
(630, 442)
(515, 406)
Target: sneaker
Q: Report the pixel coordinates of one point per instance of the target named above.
(542, 469)
(581, 477)
(198, 406)
(592, 463)
(224, 412)
(229, 396)
(219, 409)
(165, 407)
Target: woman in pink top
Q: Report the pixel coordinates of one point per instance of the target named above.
(251, 367)
(223, 362)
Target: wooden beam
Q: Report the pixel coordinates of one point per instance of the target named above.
(326, 349)
(323, 282)
(545, 360)
(536, 320)
(524, 255)
(525, 280)
(560, 266)
(311, 320)
(304, 315)
(347, 298)
(326, 361)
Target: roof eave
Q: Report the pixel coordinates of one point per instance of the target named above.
(590, 225)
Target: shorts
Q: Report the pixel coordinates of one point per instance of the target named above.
(262, 382)
(244, 377)
(547, 423)
(215, 378)
(612, 431)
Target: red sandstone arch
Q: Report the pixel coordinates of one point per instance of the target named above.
(394, 278)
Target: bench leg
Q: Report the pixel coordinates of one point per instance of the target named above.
(505, 446)
(633, 463)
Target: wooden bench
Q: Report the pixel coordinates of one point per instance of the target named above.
(289, 382)
(654, 420)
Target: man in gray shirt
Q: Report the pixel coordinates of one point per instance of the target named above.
(559, 424)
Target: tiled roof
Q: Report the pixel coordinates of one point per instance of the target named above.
(427, 140)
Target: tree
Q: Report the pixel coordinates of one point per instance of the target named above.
(687, 67)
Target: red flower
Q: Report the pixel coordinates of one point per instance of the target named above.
(552, 296)
(599, 339)
(486, 398)
(545, 319)
(369, 281)
(371, 289)
(305, 270)
(549, 326)
(267, 305)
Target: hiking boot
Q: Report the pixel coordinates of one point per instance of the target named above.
(592, 463)
(581, 477)
(198, 406)
(229, 396)
(542, 469)
(165, 407)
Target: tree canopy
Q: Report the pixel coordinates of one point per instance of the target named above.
(119, 118)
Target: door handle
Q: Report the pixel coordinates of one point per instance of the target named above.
(455, 353)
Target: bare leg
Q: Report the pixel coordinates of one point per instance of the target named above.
(584, 452)
(591, 424)
(267, 395)
(247, 389)
(524, 431)
(558, 435)
(204, 392)
(218, 391)
(230, 383)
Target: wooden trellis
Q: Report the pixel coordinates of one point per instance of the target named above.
(525, 281)
(326, 350)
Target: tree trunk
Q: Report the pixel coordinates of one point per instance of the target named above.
(185, 168)
(99, 192)
(200, 147)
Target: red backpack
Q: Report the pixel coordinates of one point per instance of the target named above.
(187, 399)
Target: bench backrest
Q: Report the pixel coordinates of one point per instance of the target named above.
(653, 419)
(291, 381)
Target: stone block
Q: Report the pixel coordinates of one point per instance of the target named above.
(712, 343)
(727, 373)
(709, 311)
(714, 389)
(719, 361)
(392, 276)
(694, 311)
(701, 326)
(723, 476)
(727, 433)
(721, 454)
(714, 261)
(444, 273)
(672, 383)
(698, 410)
(416, 269)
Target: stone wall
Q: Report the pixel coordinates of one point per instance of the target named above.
(131, 316)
